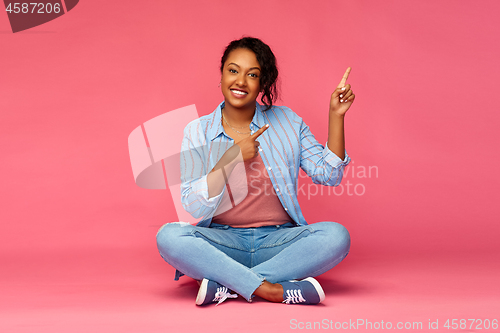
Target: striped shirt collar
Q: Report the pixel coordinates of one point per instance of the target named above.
(215, 129)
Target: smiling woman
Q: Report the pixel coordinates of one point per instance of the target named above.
(265, 62)
(246, 241)
(240, 85)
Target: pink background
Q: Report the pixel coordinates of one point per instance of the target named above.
(77, 235)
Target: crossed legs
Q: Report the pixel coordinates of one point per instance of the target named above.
(252, 260)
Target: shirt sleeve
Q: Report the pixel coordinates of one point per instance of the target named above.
(318, 161)
(194, 166)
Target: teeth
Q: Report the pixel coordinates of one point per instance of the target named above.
(239, 92)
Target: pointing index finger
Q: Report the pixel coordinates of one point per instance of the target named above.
(260, 131)
(344, 78)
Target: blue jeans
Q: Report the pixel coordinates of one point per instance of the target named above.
(242, 258)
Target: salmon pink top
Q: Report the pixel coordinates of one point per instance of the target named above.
(260, 207)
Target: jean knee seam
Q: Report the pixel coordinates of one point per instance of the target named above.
(311, 231)
(217, 242)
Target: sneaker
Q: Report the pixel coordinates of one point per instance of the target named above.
(211, 292)
(307, 291)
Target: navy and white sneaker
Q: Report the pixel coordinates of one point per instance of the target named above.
(307, 291)
(211, 292)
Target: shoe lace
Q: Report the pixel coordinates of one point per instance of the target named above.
(222, 294)
(294, 296)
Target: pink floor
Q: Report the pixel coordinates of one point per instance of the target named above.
(105, 290)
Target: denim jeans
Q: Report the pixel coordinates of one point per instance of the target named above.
(242, 258)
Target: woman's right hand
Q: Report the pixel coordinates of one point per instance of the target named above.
(249, 147)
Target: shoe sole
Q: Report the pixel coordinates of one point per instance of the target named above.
(202, 292)
(318, 287)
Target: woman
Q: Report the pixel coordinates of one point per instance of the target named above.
(239, 170)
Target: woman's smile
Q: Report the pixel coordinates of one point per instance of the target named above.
(239, 93)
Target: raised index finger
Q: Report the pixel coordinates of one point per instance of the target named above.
(259, 132)
(344, 78)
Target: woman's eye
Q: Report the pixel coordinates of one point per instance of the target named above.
(253, 75)
(232, 70)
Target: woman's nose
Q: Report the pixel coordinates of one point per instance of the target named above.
(241, 80)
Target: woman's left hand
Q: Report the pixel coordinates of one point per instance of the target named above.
(342, 97)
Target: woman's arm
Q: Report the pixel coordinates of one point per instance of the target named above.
(336, 142)
(193, 171)
(340, 102)
(319, 162)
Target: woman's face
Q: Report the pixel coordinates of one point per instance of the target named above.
(240, 81)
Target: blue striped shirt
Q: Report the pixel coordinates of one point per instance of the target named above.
(284, 147)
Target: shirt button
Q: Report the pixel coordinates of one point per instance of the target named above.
(286, 208)
(268, 168)
(277, 190)
(260, 149)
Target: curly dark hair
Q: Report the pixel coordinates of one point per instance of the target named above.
(269, 71)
